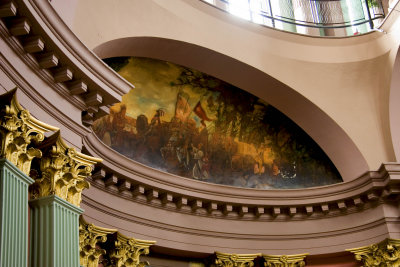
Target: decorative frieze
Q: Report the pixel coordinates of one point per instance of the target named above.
(62, 171)
(385, 253)
(235, 260)
(127, 251)
(18, 132)
(284, 260)
(89, 238)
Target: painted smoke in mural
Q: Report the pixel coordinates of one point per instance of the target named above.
(190, 124)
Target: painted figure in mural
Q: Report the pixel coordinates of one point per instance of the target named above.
(200, 168)
(208, 130)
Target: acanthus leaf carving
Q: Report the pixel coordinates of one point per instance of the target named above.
(235, 260)
(385, 253)
(89, 238)
(127, 251)
(19, 131)
(61, 171)
(285, 260)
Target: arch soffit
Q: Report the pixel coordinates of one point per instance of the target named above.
(315, 122)
(394, 107)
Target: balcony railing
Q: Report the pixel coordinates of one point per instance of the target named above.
(311, 17)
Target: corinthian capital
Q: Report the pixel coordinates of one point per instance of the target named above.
(89, 238)
(61, 171)
(284, 260)
(385, 253)
(235, 260)
(19, 131)
(127, 251)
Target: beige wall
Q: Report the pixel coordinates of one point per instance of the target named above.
(65, 9)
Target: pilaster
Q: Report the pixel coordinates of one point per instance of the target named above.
(13, 215)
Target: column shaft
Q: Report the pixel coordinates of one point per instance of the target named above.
(13, 215)
(54, 233)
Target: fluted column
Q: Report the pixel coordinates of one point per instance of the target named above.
(60, 176)
(54, 232)
(13, 215)
(19, 133)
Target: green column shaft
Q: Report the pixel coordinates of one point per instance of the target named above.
(54, 236)
(13, 215)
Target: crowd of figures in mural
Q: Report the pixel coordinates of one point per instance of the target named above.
(193, 125)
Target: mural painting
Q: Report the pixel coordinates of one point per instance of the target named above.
(187, 123)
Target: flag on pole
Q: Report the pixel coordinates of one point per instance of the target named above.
(200, 112)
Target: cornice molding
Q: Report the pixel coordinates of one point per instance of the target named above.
(125, 178)
(102, 208)
(44, 43)
(36, 97)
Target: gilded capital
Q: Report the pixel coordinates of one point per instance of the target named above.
(385, 253)
(127, 251)
(61, 171)
(19, 131)
(284, 260)
(235, 260)
(89, 238)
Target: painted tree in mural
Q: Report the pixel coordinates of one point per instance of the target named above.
(242, 117)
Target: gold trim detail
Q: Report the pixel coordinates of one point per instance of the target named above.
(127, 251)
(284, 260)
(235, 260)
(62, 171)
(89, 237)
(385, 253)
(18, 130)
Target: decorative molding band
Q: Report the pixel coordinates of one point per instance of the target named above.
(18, 132)
(89, 238)
(42, 40)
(284, 260)
(125, 178)
(385, 253)
(235, 260)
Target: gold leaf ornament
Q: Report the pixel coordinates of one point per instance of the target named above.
(19, 132)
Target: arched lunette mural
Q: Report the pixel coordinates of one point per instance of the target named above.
(188, 123)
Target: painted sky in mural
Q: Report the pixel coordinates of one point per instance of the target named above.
(190, 124)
